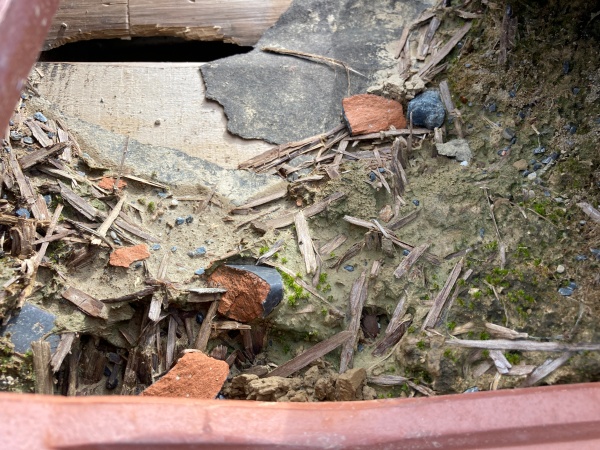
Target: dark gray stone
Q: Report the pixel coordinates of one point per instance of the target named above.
(427, 110)
(30, 325)
(284, 98)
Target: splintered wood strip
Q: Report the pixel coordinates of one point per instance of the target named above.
(155, 308)
(420, 388)
(503, 332)
(329, 247)
(440, 300)
(387, 380)
(41, 367)
(144, 181)
(403, 39)
(590, 211)
(171, 341)
(310, 56)
(39, 209)
(31, 159)
(388, 134)
(519, 371)
(130, 378)
(444, 51)
(410, 260)
(103, 229)
(546, 369)
(392, 337)
(525, 346)
(354, 250)
(229, 325)
(500, 361)
(39, 134)
(426, 46)
(86, 303)
(309, 211)
(11, 221)
(63, 349)
(74, 368)
(261, 201)
(403, 221)
(305, 243)
(204, 333)
(272, 250)
(450, 107)
(358, 297)
(284, 149)
(139, 295)
(375, 269)
(54, 237)
(400, 180)
(310, 355)
(507, 28)
(201, 295)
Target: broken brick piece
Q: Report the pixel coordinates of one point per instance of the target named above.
(123, 257)
(252, 291)
(109, 183)
(368, 113)
(195, 375)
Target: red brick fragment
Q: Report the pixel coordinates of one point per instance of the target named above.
(108, 183)
(368, 113)
(195, 375)
(245, 294)
(123, 257)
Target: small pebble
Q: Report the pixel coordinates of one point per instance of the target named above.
(349, 268)
(560, 268)
(467, 65)
(189, 219)
(163, 194)
(40, 117)
(156, 247)
(179, 221)
(173, 249)
(106, 371)
(416, 202)
(50, 134)
(372, 176)
(582, 222)
(595, 252)
(512, 93)
(580, 258)
(575, 90)
(137, 265)
(508, 134)
(521, 115)
(492, 107)
(360, 347)
(117, 241)
(481, 232)
(174, 202)
(22, 212)
(14, 136)
(537, 166)
(406, 252)
(113, 234)
(381, 170)
(471, 389)
(566, 67)
(538, 150)
(157, 122)
(525, 173)
(572, 285)
(200, 271)
(532, 176)
(199, 318)
(550, 158)
(565, 291)
(48, 199)
(464, 163)
(572, 128)
(24, 96)
(11, 123)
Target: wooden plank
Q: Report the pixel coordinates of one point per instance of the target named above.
(309, 211)
(88, 19)
(38, 133)
(315, 352)
(41, 367)
(86, 303)
(305, 243)
(63, 349)
(358, 297)
(440, 300)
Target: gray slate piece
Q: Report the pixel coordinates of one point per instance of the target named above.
(30, 325)
(283, 98)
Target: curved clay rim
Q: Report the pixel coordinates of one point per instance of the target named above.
(553, 417)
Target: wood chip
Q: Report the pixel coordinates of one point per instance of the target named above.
(229, 325)
(39, 134)
(410, 260)
(305, 243)
(590, 211)
(272, 250)
(204, 333)
(201, 295)
(393, 334)
(41, 367)
(425, 46)
(358, 297)
(350, 253)
(315, 352)
(549, 366)
(63, 349)
(39, 209)
(86, 303)
(501, 332)
(329, 247)
(443, 52)
(261, 201)
(500, 361)
(139, 295)
(387, 380)
(526, 346)
(440, 300)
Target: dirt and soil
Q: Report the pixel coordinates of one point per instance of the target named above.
(547, 95)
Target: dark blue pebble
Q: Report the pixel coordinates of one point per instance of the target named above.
(521, 114)
(481, 232)
(39, 116)
(406, 252)
(199, 318)
(179, 221)
(566, 291)
(471, 389)
(381, 170)
(189, 219)
(117, 241)
(200, 271)
(537, 166)
(349, 268)
(595, 252)
(163, 194)
(51, 134)
(48, 199)
(156, 247)
(200, 251)
(107, 371)
(580, 258)
(22, 212)
(566, 67)
(173, 249)
(512, 93)
(27, 140)
(10, 123)
(538, 150)
(492, 107)
(550, 158)
(24, 96)
(572, 285)
(372, 176)
(416, 202)
(137, 265)
(575, 90)
(360, 348)
(513, 141)
(572, 128)
(525, 173)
